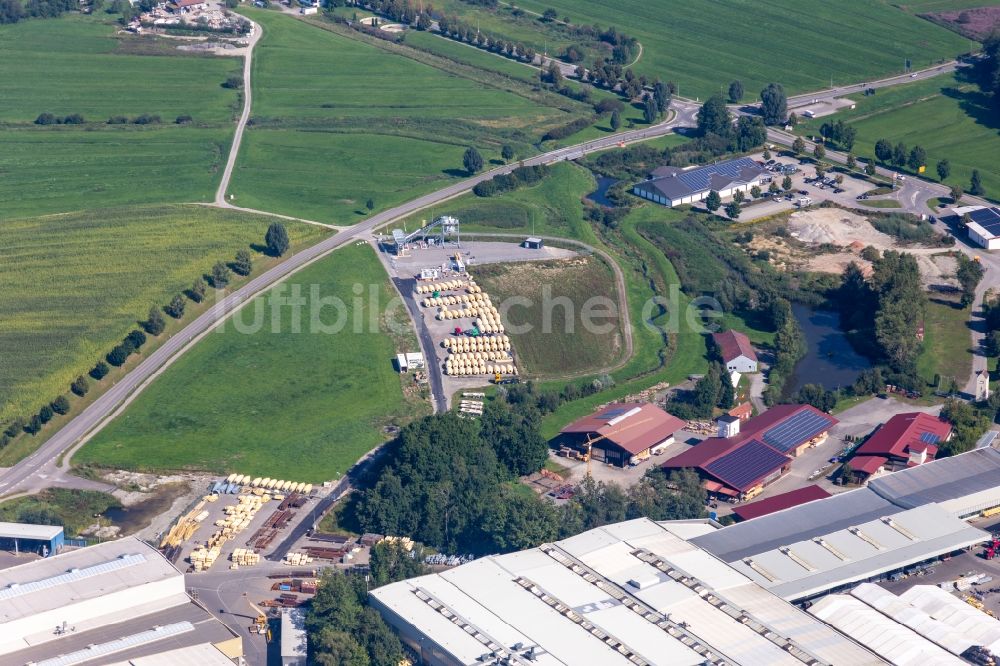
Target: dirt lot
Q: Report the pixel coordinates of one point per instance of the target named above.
(852, 233)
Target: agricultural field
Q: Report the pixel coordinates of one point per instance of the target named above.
(942, 114)
(77, 65)
(303, 405)
(67, 169)
(331, 111)
(75, 284)
(799, 43)
(557, 343)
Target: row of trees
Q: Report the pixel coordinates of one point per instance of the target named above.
(714, 120)
(12, 11)
(519, 177)
(448, 483)
(276, 241)
(916, 157)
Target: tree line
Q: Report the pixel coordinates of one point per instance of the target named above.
(276, 242)
(12, 11)
(449, 483)
(523, 176)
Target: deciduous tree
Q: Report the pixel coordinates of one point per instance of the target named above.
(276, 239)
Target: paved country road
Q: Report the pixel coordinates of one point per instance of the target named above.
(36, 471)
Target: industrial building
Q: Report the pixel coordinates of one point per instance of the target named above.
(44, 540)
(623, 433)
(636, 593)
(745, 458)
(736, 351)
(672, 186)
(982, 225)
(120, 599)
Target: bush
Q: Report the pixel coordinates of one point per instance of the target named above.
(45, 414)
(519, 177)
(175, 308)
(80, 386)
(568, 129)
(46, 119)
(100, 371)
(73, 119)
(233, 82)
(119, 355)
(60, 405)
(136, 339)
(15, 427)
(184, 119)
(904, 227)
(147, 119)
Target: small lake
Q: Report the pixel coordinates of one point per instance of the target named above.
(831, 360)
(599, 196)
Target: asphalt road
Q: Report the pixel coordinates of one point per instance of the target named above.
(35, 472)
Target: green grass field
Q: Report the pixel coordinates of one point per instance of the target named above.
(296, 405)
(77, 64)
(338, 121)
(66, 169)
(72, 65)
(558, 344)
(702, 45)
(940, 114)
(946, 344)
(75, 284)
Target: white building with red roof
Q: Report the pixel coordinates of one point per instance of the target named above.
(623, 433)
(736, 351)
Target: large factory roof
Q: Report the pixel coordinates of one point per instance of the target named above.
(795, 524)
(942, 480)
(796, 570)
(79, 575)
(630, 593)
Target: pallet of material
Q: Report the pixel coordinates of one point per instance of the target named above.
(325, 553)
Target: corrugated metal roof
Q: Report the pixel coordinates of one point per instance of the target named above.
(92, 652)
(780, 502)
(941, 480)
(796, 524)
(889, 639)
(903, 612)
(203, 654)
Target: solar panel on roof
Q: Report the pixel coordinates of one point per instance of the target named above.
(988, 219)
(746, 464)
(698, 179)
(796, 430)
(929, 438)
(612, 413)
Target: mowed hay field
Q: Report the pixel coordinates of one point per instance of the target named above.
(287, 404)
(560, 338)
(77, 65)
(75, 284)
(945, 116)
(702, 44)
(60, 170)
(338, 120)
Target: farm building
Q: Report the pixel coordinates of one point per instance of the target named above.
(44, 540)
(671, 186)
(905, 440)
(982, 225)
(533, 243)
(622, 433)
(741, 464)
(120, 598)
(780, 502)
(736, 351)
(631, 593)
(866, 468)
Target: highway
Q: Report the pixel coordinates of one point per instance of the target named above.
(36, 471)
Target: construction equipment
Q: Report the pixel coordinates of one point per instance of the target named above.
(588, 456)
(259, 625)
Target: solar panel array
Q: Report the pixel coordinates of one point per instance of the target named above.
(796, 430)
(614, 413)
(929, 438)
(987, 218)
(20, 589)
(699, 179)
(119, 644)
(746, 464)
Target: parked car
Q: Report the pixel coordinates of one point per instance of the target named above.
(803, 192)
(838, 190)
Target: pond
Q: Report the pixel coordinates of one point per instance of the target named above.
(599, 196)
(133, 518)
(830, 360)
